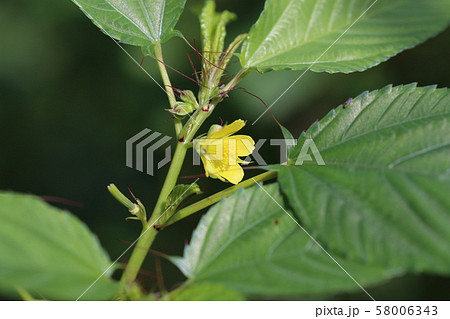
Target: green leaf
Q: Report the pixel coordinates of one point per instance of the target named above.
(49, 252)
(248, 243)
(293, 34)
(382, 196)
(178, 194)
(288, 138)
(205, 291)
(136, 22)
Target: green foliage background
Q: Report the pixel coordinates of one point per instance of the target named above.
(69, 99)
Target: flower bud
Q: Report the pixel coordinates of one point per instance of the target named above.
(188, 96)
(181, 109)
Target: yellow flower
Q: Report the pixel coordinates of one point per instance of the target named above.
(220, 151)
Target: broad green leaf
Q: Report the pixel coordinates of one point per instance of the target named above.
(383, 195)
(205, 291)
(248, 243)
(49, 252)
(293, 34)
(136, 22)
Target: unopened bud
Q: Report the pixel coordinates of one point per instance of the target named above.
(180, 110)
(188, 96)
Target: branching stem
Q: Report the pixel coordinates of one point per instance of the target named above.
(185, 135)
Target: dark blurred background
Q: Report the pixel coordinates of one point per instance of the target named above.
(70, 98)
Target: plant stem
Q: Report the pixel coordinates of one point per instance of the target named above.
(189, 210)
(164, 75)
(167, 84)
(149, 233)
(185, 137)
(139, 252)
(158, 215)
(171, 180)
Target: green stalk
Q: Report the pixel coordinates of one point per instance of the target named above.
(167, 84)
(158, 216)
(171, 180)
(149, 233)
(189, 210)
(139, 252)
(185, 135)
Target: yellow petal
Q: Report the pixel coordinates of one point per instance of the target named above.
(220, 152)
(222, 169)
(211, 172)
(227, 130)
(207, 166)
(234, 174)
(244, 144)
(229, 149)
(214, 149)
(212, 167)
